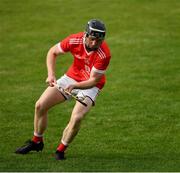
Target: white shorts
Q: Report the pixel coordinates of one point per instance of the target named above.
(92, 93)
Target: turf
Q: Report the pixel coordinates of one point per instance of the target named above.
(135, 125)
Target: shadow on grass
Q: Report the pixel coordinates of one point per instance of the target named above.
(87, 162)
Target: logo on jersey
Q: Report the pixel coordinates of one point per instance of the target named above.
(78, 56)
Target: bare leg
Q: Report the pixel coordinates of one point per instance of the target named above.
(48, 99)
(73, 126)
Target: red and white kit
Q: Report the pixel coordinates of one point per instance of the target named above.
(84, 62)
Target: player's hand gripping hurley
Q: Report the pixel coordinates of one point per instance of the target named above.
(73, 96)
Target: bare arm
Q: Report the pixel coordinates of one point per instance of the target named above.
(51, 62)
(91, 82)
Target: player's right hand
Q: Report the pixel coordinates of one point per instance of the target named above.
(50, 80)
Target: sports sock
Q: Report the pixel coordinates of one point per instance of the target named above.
(37, 138)
(61, 147)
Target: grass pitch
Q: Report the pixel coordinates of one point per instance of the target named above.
(135, 125)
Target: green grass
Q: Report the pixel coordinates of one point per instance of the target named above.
(135, 125)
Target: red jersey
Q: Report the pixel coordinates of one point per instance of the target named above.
(84, 62)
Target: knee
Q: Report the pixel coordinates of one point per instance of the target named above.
(76, 121)
(39, 107)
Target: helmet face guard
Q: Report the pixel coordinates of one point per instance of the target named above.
(96, 28)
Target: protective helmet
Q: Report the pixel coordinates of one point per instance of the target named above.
(96, 28)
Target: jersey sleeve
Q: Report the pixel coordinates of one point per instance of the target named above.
(64, 45)
(101, 64)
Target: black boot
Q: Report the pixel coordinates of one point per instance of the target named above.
(59, 155)
(30, 146)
